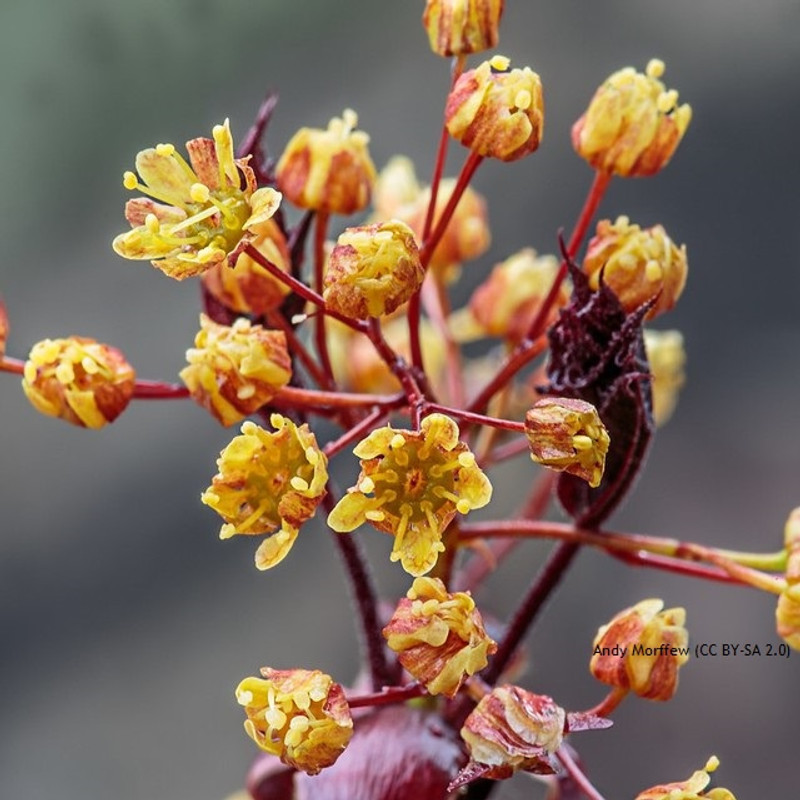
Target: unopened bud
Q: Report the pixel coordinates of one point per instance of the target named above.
(373, 270)
(78, 380)
(637, 265)
(439, 637)
(787, 614)
(633, 124)
(642, 649)
(691, 789)
(496, 111)
(460, 27)
(328, 170)
(567, 435)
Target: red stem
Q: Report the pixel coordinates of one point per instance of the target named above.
(13, 365)
(480, 419)
(356, 432)
(577, 774)
(158, 390)
(387, 696)
(320, 229)
(522, 354)
(304, 291)
(609, 703)
(291, 395)
(366, 600)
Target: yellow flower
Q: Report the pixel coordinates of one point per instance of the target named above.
(567, 435)
(637, 265)
(247, 288)
(691, 789)
(328, 170)
(497, 111)
(439, 637)
(197, 213)
(633, 124)
(78, 380)
(268, 483)
(787, 614)
(299, 715)
(373, 270)
(411, 485)
(642, 649)
(460, 27)
(233, 371)
(667, 359)
(506, 303)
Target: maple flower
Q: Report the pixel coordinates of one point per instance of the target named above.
(567, 435)
(496, 111)
(328, 170)
(268, 483)
(439, 637)
(299, 715)
(78, 380)
(667, 359)
(460, 27)
(691, 789)
(787, 614)
(411, 485)
(234, 370)
(637, 265)
(373, 270)
(247, 287)
(196, 214)
(506, 303)
(642, 649)
(633, 124)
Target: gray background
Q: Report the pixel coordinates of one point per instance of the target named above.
(125, 623)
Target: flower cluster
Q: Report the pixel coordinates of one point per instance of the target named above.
(362, 348)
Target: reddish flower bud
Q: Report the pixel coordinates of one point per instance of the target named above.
(78, 380)
(496, 111)
(691, 789)
(460, 27)
(633, 124)
(637, 265)
(642, 649)
(328, 170)
(439, 637)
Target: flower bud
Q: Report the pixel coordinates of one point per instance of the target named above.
(78, 380)
(512, 729)
(299, 715)
(411, 485)
(667, 359)
(637, 265)
(439, 637)
(268, 483)
(788, 612)
(247, 287)
(641, 649)
(496, 111)
(396, 189)
(506, 303)
(568, 435)
(328, 170)
(633, 124)
(373, 270)
(460, 27)
(691, 789)
(233, 371)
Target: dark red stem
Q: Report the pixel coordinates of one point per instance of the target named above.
(389, 695)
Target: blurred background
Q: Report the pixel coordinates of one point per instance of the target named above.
(125, 623)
